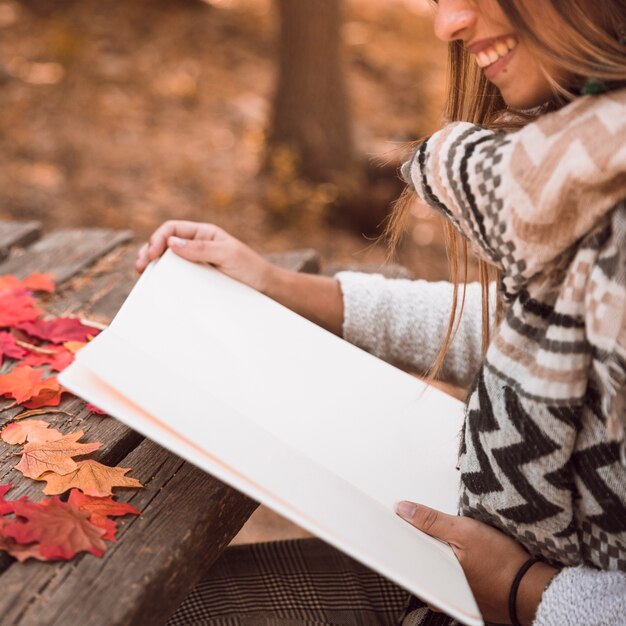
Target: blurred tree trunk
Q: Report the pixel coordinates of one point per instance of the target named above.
(311, 114)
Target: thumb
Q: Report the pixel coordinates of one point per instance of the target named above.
(432, 522)
(198, 251)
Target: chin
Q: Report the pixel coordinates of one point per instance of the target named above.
(525, 102)
(535, 94)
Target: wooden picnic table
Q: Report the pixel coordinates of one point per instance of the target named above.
(187, 517)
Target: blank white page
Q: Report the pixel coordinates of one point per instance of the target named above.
(199, 362)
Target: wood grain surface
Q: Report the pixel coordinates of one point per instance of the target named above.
(187, 517)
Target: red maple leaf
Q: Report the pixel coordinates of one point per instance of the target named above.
(28, 386)
(101, 509)
(9, 348)
(95, 409)
(17, 550)
(58, 330)
(58, 360)
(5, 506)
(17, 307)
(60, 529)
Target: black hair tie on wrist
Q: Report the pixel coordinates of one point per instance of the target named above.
(514, 588)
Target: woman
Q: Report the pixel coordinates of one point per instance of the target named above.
(540, 197)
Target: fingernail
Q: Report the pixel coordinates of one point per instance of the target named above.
(177, 241)
(405, 509)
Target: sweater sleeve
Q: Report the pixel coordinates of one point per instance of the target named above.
(405, 322)
(582, 595)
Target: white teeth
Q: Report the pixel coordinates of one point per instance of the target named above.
(483, 59)
(501, 48)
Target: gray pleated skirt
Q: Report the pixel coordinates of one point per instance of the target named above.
(298, 582)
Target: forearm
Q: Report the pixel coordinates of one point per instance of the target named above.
(318, 298)
(405, 322)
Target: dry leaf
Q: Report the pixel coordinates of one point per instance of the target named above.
(101, 509)
(44, 411)
(57, 357)
(95, 409)
(53, 456)
(33, 282)
(8, 347)
(74, 346)
(60, 529)
(29, 430)
(50, 396)
(58, 330)
(91, 477)
(23, 383)
(39, 282)
(5, 506)
(17, 550)
(17, 307)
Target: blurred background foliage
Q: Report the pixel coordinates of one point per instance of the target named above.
(284, 121)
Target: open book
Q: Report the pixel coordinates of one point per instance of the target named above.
(320, 431)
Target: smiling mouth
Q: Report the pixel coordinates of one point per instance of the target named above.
(494, 52)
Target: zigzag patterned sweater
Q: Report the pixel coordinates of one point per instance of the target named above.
(404, 322)
(542, 456)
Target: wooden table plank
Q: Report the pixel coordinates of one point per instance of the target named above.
(17, 234)
(168, 561)
(118, 439)
(187, 519)
(64, 252)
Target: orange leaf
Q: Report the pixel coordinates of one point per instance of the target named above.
(46, 397)
(101, 509)
(60, 529)
(33, 282)
(24, 383)
(74, 346)
(53, 456)
(31, 430)
(39, 282)
(91, 477)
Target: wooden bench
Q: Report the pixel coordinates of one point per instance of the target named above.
(187, 517)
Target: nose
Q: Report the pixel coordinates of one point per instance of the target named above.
(454, 19)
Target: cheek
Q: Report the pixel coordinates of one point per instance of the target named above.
(527, 84)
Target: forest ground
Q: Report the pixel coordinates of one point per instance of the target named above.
(124, 114)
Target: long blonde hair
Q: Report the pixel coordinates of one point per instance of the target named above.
(589, 49)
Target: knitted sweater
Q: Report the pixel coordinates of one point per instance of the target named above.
(405, 322)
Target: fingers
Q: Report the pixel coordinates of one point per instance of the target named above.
(213, 252)
(158, 242)
(142, 258)
(432, 522)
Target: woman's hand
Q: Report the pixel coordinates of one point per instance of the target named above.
(207, 243)
(490, 560)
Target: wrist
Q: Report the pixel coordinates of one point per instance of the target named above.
(274, 281)
(531, 589)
